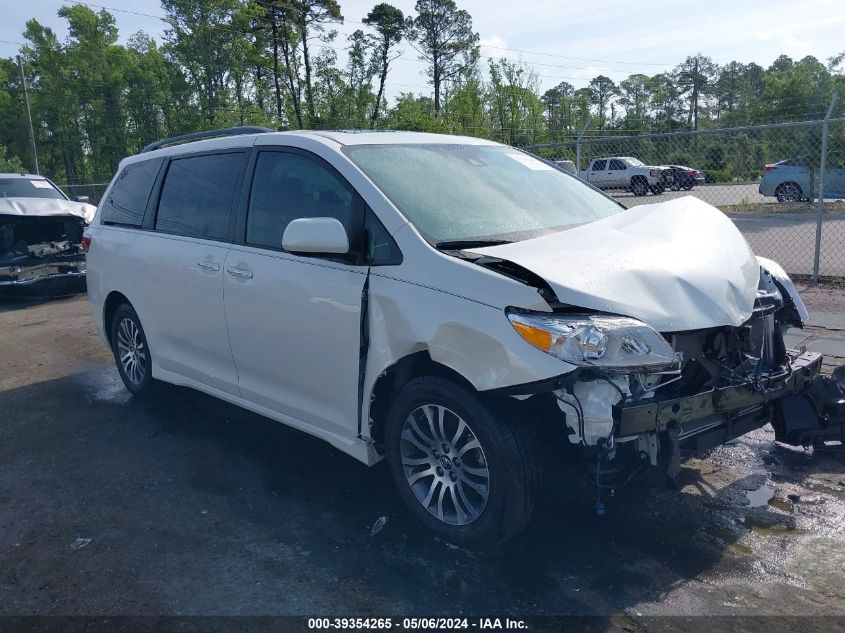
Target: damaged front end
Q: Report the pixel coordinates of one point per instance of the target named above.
(638, 397)
(35, 249)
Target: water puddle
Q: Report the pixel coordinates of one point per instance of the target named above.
(760, 497)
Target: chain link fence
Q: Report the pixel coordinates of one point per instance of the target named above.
(92, 191)
(767, 179)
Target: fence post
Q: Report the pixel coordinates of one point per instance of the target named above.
(820, 204)
(578, 149)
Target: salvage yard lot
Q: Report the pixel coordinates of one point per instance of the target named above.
(193, 506)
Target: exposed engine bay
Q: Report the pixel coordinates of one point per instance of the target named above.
(726, 381)
(731, 380)
(35, 248)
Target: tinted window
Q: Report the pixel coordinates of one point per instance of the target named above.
(616, 164)
(198, 195)
(28, 188)
(382, 250)
(288, 186)
(128, 198)
(599, 165)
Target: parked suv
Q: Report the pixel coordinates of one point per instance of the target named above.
(443, 302)
(625, 172)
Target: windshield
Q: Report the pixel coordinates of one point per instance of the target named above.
(28, 188)
(478, 192)
(634, 162)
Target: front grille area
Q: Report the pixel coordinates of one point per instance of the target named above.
(723, 356)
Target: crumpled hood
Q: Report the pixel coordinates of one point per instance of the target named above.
(35, 207)
(677, 265)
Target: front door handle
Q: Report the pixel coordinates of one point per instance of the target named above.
(214, 266)
(240, 272)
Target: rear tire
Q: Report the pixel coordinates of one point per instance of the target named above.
(658, 189)
(131, 352)
(466, 471)
(639, 186)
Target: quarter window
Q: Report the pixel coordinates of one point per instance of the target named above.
(128, 197)
(287, 186)
(198, 195)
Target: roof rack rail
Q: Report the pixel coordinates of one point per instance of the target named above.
(199, 136)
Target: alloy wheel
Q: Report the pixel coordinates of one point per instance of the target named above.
(131, 352)
(444, 464)
(789, 192)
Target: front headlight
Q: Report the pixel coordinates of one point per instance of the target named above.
(611, 343)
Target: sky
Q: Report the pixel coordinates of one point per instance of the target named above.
(560, 40)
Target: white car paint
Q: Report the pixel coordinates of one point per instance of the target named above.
(44, 207)
(684, 265)
(675, 265)
(315, 235)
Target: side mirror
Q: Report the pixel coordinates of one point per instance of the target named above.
(83, 199)
(316, 235)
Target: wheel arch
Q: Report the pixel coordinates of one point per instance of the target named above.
(394, 377)
(794, 183)
(113, 301)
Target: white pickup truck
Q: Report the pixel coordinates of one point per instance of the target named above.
(624, 172)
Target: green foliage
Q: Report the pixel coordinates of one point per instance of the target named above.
(10, 164)
(446, 42)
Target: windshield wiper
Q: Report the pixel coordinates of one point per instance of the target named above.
(459, 245)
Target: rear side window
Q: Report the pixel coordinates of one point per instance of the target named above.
(198, 195)
(128, 198)
(616, 164)
(599, 165)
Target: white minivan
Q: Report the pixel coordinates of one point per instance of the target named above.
(442, 302)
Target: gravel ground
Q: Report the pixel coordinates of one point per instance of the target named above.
(196, 507)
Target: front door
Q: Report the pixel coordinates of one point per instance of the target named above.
(294, 321)
(181, 276)
(598, 173)
(617, 173)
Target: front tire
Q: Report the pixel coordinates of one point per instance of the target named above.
(131, 352)
(658, 189)
(467, 472)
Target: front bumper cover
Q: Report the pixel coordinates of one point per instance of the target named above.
(735, 409)
(27, 274)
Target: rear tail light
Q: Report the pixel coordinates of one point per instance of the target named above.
(769, 167)
(690, 173)
(86, 243)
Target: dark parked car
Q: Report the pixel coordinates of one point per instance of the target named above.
(679, 177)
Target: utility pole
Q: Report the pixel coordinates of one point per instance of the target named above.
(28, 119)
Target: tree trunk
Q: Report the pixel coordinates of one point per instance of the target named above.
(294, 93)
(382, 80)
(309, 95)
(436, 81)
(276, 84)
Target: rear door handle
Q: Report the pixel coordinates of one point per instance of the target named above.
(240, 272)
(214, 266)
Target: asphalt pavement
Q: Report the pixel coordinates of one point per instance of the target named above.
(185, 505)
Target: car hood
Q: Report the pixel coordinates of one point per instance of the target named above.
(40, 207)
(677, 265)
